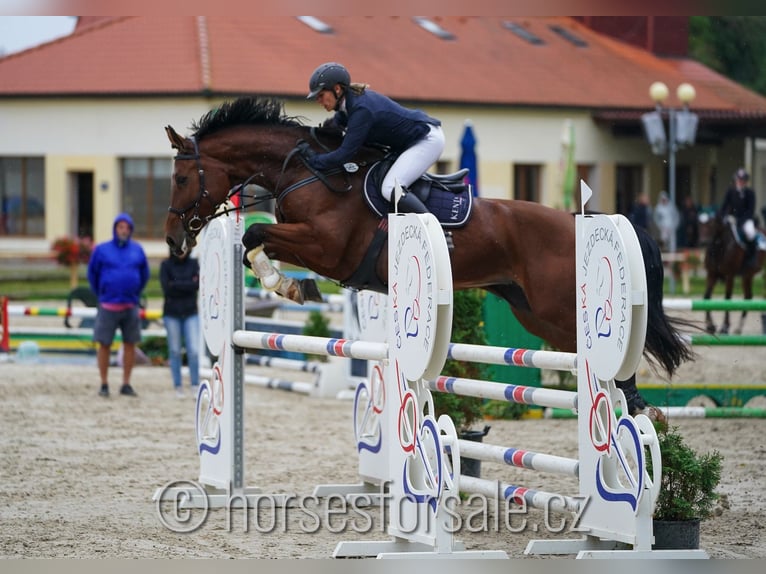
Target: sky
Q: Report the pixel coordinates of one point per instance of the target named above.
(22, 32)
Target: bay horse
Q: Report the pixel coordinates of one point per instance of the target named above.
(725, 260)
(521, 251)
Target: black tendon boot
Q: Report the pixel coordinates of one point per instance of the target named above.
(410, 203)
(749, 260)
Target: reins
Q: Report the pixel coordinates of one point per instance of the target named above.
(195, 223)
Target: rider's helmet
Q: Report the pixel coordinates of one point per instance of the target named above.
(742, 174)
(326, 76)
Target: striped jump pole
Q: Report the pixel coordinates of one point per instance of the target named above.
(506, 392)
(518, 457)
(681, 413)
(511, 356)
(715, 304)
(300, 387)
(314, 345)
(525, 497)
(282, 363)
(707, 340)
(85, 312)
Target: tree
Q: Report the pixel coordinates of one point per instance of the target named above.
(734, 46)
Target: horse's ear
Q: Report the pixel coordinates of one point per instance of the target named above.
(176, 141)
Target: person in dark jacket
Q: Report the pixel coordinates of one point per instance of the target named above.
(118, 272)
(739, 202)
(179, 277)
(370, 118)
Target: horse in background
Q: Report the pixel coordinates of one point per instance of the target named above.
(521, 251)
(725, 260)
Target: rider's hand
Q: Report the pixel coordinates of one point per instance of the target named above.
(305, 150)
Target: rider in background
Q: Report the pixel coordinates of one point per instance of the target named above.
(370, 118)
(740, 203)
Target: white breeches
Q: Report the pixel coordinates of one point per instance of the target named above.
(414, 162)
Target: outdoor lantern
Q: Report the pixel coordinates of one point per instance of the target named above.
(654, 130)
(686, 127)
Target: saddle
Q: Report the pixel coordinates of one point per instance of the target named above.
(447, 196)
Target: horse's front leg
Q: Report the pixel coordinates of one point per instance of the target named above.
(255, 243)
(727, 295)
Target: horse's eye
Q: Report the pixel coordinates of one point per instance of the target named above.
(181, 180)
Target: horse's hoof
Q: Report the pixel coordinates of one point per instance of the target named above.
(310, 290)
(710, 328)
(724, 330)
(294, 293)
(654, 414)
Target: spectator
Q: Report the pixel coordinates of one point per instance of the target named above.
(179, 277)
(641, 214)
(666, 219)
(118, 272)
(689, 230)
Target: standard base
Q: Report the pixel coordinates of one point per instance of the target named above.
(592, 547)
(398, 548)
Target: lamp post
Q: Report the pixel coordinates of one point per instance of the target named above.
(682, 130)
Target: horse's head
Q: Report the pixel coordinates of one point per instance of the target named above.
(191, 204)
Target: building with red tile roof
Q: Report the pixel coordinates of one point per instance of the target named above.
(83, 115)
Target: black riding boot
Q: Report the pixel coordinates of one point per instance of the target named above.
(749, 253)
(410, 203)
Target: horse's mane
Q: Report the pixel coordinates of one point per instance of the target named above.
(249, 110)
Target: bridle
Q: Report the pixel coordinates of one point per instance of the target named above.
(195, 223)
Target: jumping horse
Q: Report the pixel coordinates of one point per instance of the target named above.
(725, 260)
(521, 251)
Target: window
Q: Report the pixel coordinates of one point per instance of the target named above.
(146, 194)
(630, 184)
(526, 182)
(522, 32)
(22, 197)
(434, 28)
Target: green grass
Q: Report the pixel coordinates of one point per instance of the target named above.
(52, 283)
(21, 284)
(697, 288)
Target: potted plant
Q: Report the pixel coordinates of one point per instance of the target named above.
(687, 491)
(467, 327)
(71, 251)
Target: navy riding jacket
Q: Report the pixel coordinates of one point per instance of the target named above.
(740, 205)
(372, 118)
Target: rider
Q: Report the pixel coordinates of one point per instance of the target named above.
(740, 203)
(372, 118)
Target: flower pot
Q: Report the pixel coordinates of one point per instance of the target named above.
(472, 466)
(676, 534)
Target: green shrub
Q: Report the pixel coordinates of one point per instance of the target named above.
(689, 479)
(467, 327)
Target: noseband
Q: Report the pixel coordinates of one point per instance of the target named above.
(195, 223)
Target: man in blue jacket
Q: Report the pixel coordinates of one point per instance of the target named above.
(118, 272)
(372, 118)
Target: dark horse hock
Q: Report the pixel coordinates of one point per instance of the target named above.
(725, 260)
(521, 251)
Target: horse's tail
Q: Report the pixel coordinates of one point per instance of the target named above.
(664, 344)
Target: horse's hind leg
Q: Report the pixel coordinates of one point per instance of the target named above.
(747, 289)
(709, 325)
(635, 402)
